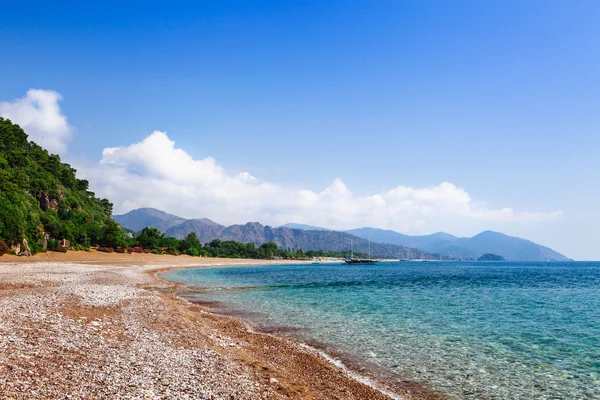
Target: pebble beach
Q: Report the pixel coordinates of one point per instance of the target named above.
(94, 326)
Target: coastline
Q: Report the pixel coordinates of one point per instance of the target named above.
(104, 300)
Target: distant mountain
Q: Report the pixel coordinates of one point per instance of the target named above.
(430, 243)
(304, 227)
(384, 243)
(318, 240)
(254, 232)
(205, 228)
(509, 247)
(140, 218)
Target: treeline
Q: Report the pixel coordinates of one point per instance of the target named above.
(41, 198)
(151, 240)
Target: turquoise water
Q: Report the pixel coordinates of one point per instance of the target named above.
(471, 330)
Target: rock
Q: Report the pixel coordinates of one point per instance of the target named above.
(273, 381)
(26, 251)
(165, 382)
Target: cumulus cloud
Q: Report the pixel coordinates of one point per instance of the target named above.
(155, 173)
(39, 114)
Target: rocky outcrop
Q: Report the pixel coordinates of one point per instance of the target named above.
(45, 202)
(25, 250)
(44, 241)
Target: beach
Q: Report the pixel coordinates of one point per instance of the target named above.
(94, 325)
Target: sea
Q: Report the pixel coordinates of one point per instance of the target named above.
(468, 330)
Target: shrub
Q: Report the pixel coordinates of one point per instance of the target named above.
(146, 251)
(192, 251)
(52, 244)
(12, 253)
(173, 252)
(136, 249)
(3, 248)
(121, 250)
(61, 249)
(105, 249)
(157, 251)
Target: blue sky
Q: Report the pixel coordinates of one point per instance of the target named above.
(501, 99)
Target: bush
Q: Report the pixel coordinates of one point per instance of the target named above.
(61, 249)
(136, 249)
(173, 252)
(192, 251)
(3, 248)
(157, 251)
(121, 250)
(146, 251)
(105, 249)
(52, 244)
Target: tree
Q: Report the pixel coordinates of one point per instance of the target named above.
(112, 235)
(191, 241)
(267, 250)
(149, 238)
(107, 206)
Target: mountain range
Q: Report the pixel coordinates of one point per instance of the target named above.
(509, 247)
(383, 243)
(254, 232)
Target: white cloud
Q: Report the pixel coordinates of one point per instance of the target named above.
(155, 173)
(39, 114)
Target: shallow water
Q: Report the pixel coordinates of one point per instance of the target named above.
(471, 330)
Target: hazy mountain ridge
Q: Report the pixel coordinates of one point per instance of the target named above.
(205, 228)
(304, 227)
(509, 247)
(384, 243)
(142, 217)
(254, 232)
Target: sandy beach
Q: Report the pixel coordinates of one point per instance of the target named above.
(94, 325)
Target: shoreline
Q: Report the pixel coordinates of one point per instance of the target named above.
(389, 384)
(281, 367)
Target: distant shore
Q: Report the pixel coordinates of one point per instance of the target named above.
(89, 324)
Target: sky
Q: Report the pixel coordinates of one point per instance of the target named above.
(416, 116)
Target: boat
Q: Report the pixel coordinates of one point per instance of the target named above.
(353, 260)
(360, 261)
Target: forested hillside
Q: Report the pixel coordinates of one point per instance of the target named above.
(42, 201)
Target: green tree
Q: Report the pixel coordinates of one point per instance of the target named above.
(149, 238)
(112, 235)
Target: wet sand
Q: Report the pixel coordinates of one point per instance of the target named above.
(87, 324)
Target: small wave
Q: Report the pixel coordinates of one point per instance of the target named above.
(362, 379)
